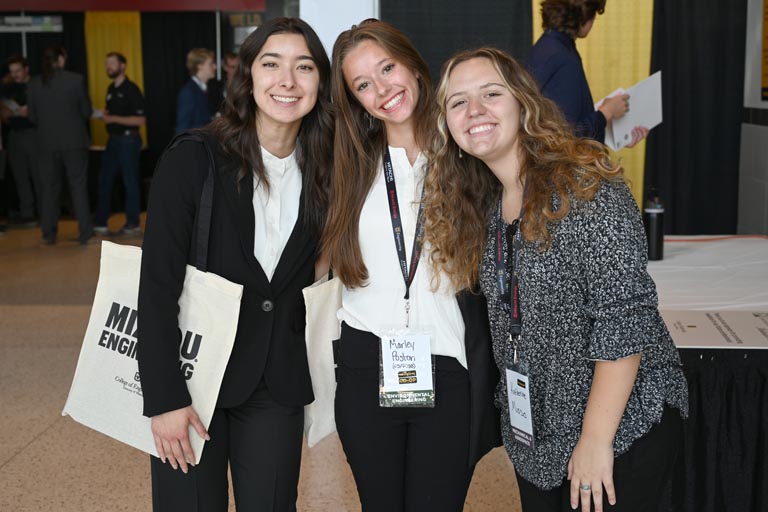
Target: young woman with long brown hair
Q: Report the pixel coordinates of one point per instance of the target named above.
(402, 458)
(271, 152)
(592, 390)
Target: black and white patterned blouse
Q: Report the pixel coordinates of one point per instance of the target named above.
(588, 297)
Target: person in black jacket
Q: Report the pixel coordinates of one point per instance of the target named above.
(60, 108)
(272, 152)
(556, 65)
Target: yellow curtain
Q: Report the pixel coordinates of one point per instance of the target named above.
(111, 32)
(617, 53)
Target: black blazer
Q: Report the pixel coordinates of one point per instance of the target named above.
(270, 334)
(484, 429)
(60, 109)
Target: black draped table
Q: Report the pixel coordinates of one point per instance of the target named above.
(724, 462)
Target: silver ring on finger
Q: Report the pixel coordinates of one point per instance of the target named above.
(585, 487)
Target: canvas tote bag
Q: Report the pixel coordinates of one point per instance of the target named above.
(322, 301)
(106, 390)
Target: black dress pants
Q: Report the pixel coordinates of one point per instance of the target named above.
(22, 155)
(403, 459)
(640, 475)
(75, 165)
(261, 442)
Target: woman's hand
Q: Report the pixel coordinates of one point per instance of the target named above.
(171, 433)
(591, 465)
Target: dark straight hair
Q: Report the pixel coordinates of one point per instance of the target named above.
(50, 59)
(236, 128)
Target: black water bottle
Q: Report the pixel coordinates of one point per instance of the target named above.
(653, 218)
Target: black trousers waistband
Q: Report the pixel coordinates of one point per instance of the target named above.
(360, 349)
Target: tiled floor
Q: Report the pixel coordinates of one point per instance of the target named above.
(50, 463)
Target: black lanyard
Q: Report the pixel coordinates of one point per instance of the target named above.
(397, 228)
(509, 291)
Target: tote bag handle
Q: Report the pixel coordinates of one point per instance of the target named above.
(205, 207)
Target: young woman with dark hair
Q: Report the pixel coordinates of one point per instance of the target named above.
(403, 458)
(592, 390)
(272, 159)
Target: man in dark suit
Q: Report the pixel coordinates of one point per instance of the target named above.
(192, 105)
(59, 106)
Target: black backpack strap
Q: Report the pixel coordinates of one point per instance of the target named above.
(205, 208)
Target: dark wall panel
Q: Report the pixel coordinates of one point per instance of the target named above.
(439, 29)
(72, 39)
(692, 158)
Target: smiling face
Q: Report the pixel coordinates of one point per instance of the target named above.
(285, 80)
(387, 89)
(482, 114)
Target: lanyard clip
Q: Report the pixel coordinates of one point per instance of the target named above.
(407, 313)
(513, 342)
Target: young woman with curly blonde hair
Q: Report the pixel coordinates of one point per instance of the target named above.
(547, 225)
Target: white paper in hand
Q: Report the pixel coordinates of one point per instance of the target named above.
(644, 110)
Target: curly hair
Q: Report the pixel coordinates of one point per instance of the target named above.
(569, 15)
(236, 128)
(460, 193)
(360, 142)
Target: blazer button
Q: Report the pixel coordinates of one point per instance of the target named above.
(267, 306)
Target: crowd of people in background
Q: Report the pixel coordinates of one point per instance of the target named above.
(46, 135)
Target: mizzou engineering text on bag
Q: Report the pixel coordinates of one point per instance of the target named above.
(106, 390)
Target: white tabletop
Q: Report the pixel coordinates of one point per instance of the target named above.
(713, 291)
(705, 273)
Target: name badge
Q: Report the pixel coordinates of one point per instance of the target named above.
(519, 396)
(406, 370)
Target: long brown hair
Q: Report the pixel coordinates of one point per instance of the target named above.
(460, 193)
(360, 141)
(236, 128)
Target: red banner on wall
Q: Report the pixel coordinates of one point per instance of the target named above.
(130, 5)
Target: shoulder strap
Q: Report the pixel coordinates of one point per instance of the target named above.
(205, 207)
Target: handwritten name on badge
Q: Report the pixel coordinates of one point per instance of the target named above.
(406, 368)
(519, 401)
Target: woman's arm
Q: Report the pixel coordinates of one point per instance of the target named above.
(621, 300)
(174, 195)
(592, 460)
